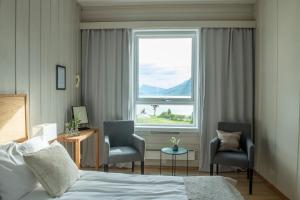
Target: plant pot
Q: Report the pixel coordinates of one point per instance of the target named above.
(175, 148)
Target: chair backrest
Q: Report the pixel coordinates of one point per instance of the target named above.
(245, 128)
(119, 132)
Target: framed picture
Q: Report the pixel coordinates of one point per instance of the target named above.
(80, 113)
(60, 77)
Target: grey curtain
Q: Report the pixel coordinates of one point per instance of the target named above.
(105, 80)
(227, 63)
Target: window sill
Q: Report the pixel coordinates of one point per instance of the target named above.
(166, 129)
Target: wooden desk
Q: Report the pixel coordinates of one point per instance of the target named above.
(76, 140)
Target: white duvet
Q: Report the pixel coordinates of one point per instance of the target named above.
(112, 186)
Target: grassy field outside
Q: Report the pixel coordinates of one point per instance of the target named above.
(160, 120)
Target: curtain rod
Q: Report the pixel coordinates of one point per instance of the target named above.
(168, 24)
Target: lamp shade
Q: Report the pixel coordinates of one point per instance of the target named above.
(47, 131)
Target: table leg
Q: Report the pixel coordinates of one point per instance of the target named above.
(172, 165)
(160, 163)
(77, 153)
(97, 149)
(74, 150)
(187, 163)
(175, 166)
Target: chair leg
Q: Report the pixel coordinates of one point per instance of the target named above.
(132, 168)
(247, 173)
(211, 169)
(250, 180)
(142, 167)
(217, 169)
(105, 167)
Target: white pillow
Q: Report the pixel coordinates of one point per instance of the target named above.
(54, 169)
(33, 145)
(16, 180)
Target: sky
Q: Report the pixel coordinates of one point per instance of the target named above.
(164, 63)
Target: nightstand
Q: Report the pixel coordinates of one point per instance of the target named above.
(84, 134)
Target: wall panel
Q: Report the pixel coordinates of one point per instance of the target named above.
(7, 46)
(278, 94)
(266, 90)
(169, 12)
(46, 62)
(22, 46)
(288, 96)
(35, 62)
(35, 36)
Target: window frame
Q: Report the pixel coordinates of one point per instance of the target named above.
(193, 100)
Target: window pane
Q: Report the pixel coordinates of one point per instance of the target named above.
(164, 114)
(165, 67)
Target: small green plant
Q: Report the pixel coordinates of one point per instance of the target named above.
(175, 141)
(72, 126)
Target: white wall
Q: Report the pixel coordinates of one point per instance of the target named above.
(277, 94)
(35, 36)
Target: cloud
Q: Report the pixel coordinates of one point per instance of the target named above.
(162, 77)
(164, 62)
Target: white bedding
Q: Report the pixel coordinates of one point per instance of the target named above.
(98, 185)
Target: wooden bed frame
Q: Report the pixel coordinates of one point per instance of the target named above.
(13, 118)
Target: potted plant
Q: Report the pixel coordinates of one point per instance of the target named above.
(72, 127)
(175, 143)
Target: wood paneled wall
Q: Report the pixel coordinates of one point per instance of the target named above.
(36, 35)
(278, 94)
(168, 12)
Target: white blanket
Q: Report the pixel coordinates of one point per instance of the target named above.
(211, 188)
(113, 186)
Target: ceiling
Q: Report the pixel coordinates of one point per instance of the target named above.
(92, 3)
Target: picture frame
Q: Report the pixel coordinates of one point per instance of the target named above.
(60, 77)
(81, 113)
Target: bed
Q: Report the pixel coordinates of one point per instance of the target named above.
(99, 185)
(95, 185)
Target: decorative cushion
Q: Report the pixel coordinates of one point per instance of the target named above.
(230, 141)
(54, 168)
(16, 180)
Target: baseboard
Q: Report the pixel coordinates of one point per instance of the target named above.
(269, 184)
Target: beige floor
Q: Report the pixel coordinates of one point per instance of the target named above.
(261, 189)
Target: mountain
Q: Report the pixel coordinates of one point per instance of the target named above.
(182, 89)
(150, 90)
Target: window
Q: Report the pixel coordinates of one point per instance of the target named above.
(165, 79)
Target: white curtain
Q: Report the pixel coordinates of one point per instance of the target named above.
(105, 80)
(227, 61)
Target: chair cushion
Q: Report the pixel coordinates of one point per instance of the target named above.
(238, 159)
(123, 154)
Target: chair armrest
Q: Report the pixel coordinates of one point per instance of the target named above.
(139, 144)
(250, 152)
(213, 148)
(106, 150)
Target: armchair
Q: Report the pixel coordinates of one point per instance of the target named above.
(243, 159)
(121, 144)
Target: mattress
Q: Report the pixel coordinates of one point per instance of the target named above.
(114, 186)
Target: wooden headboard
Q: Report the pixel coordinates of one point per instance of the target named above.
(13, 118)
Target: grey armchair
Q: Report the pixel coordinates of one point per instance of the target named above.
(121, 144)
(243, 159)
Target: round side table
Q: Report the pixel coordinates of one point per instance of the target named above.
(180, 151)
